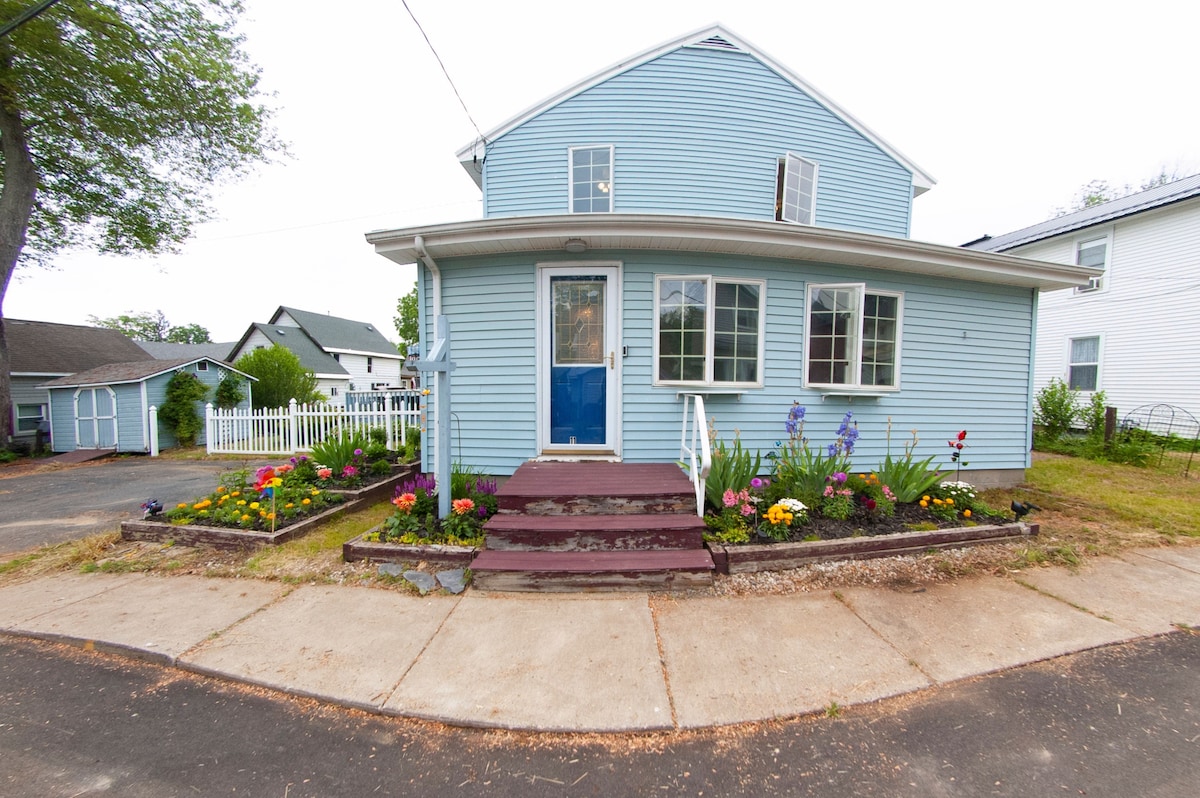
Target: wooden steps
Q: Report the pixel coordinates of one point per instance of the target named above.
(594, 526)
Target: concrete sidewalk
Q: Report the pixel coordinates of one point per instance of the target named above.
(628, 662)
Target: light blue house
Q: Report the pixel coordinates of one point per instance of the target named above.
(699, 220)
(108, 407)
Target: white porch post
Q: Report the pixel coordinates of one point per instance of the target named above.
(437, 362)
(154, 430)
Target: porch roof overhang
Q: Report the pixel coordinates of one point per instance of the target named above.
(724, 236)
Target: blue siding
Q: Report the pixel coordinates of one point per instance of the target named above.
(964, 363)
(699, 132)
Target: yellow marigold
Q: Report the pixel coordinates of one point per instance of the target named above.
(306, 501)
(314, 492)
(253, 505)
(924, 498)
(181, 505)
(270, 516)
(241, 503)
(949, 501)
(245, 517)
(924, 503)
(236, 493)
(288, 506)
(220, 489)
(966, 513)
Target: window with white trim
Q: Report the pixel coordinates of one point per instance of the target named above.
(29, 416)
(1083, 370)
(708, 331)
(853, 337)
(591, 179)
(796, 190)
(370, 365)
(1092, 252)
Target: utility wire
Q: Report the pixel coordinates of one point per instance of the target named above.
(25, 16)
(444, 70)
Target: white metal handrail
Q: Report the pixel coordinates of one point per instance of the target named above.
(698, 455)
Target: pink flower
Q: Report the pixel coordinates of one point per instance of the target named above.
(349, 471)
(462, 506)
(747, 509)
(729, 498)
(324, 473)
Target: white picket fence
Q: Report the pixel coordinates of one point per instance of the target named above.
(297, 427)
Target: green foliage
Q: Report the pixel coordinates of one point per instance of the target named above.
(407, 322)
(153, 327)
(178, 411)
(377, 435)
(7, 455)
(229, 392)
(908, 479)
(803, 472)
(281, 377)
(338, 451)
(1135, 448)
(236, 502)
(1056, 409)
(732, 469)
(1093, 415)
(726, 528)
(380, 468)
(412, 443)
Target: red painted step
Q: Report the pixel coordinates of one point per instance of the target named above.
(626, 531)
(591, 570)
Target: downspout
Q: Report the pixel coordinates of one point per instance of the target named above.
(434, 271)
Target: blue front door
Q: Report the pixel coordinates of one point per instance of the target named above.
(581, 360)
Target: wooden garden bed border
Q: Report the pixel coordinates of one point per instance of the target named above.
(779, 556)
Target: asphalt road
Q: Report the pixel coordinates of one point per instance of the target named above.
(1113, 722)
(53, 505)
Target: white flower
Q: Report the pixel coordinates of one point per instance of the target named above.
(792, 505)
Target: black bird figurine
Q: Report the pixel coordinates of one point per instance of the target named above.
(1022, 508)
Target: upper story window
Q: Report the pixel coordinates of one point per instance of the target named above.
(1083, 372)
(796, 190)
(708, 331)
(853, 338)
(1092, 252)
(591, 179)
(202, 365)
(370, 364)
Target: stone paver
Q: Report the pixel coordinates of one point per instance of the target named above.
(555, 663)
(164, 616)
(752, 658)
(978, 625)
(350, 643)
(1142, 593)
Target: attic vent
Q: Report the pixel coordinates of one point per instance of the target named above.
(369, 328)
(281, 332)
(718, 43)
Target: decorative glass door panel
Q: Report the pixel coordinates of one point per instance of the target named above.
(578, 378)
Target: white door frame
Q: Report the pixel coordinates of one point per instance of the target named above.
(611, 270)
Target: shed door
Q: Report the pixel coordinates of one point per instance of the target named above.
(579, 364)
(95, 418)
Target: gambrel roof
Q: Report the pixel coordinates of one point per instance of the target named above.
(1142, 201)
(715, 37)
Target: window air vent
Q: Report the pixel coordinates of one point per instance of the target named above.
(718, 43)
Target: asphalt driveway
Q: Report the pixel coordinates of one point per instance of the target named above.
(55, 504)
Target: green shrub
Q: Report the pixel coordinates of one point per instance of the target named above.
(178, 411)
(1093, 414)
(1057, 408)
(229, 393)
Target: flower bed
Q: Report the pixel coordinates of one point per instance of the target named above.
(440, 555)
(734, 559)
(228, 537)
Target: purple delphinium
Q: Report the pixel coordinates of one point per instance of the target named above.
(795, 419)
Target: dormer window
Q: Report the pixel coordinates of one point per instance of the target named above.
(591, 179)
(796, 190)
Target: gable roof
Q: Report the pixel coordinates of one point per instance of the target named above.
(712, 37)
(43, 347)
(334, 334)
(296, 341)
(117, 373)
(164, 350)
(1142, 201)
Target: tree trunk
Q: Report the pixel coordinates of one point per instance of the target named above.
(16, 205)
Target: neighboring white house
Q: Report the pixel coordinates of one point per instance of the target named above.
(1132, 332)
(343, 354)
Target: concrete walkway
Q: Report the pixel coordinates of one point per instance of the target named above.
(628, 662)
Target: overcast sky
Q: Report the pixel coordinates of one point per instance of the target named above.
(1012, 107)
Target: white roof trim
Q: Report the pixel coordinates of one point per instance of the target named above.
(743, 237)
(922, 181)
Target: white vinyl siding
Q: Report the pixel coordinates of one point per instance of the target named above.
(853, 338)
(708, 331)
(1093, 252)
(796, 196)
